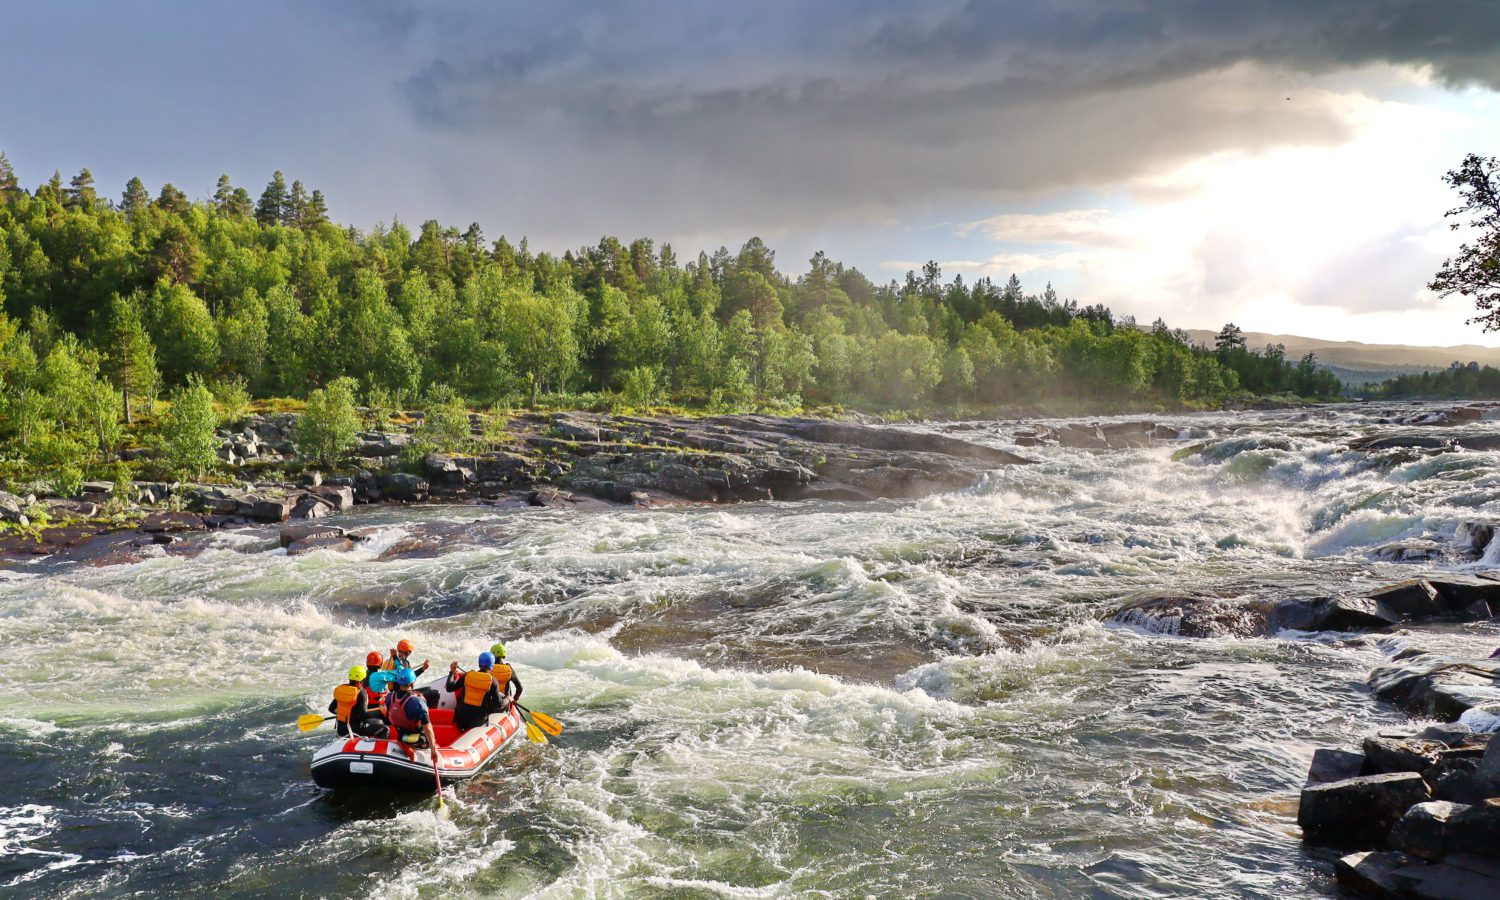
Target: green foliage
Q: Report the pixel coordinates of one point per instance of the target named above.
(445, 426)
(382, 405)
(185, 438)
(329, 426)
(1468, 381)
(1474, 271)
(232, 397)
(639, 386)
(160, 292)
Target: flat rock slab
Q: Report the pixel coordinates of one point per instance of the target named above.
(1334, 765)
(172, 522)
(1371, 874)
(1442, 687)
(334, 541)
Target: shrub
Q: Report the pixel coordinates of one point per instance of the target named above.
(329, 426)
(640, 386)
(233, 398)
(185, 438)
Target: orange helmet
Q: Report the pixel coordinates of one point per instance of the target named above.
(374, 660)
(404, 646)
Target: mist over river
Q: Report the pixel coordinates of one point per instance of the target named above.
(894, 698)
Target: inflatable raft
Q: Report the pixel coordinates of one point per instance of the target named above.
(377, 762)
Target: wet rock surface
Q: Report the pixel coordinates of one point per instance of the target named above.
(1442, 784)
(549, 461)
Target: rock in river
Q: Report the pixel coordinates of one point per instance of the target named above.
(1358, 812)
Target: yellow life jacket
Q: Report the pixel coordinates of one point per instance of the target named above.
(345, 695)
(501, 673)
(476, 685)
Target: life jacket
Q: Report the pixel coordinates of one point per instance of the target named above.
(395, 711)
(373, 697)
(392, 664)
(476, 685)
(501, 673)
(345, 695)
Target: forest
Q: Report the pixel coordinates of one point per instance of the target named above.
(1469, 381)
(111, 303)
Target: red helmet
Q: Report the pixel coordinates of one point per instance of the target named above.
(374, 660)
(404, 646)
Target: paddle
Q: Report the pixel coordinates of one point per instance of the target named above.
(438, 778)
(533, 733)
(543, 721)
(311, 721)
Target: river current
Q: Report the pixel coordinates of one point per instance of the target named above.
(899, 698)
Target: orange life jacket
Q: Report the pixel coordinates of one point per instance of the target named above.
(476, 685)
(345, 695)
(501, 673)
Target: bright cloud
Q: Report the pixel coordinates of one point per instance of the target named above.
(1339, 238)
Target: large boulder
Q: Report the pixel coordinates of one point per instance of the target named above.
(1358, 812)
(1423, 829)
(1386, 753)
(1474, 830)
(272, 509)
(450, 468)
(339, 496)
(1414, 599)
(301, 531)
(1437, 686)
(311, 506)
(1334, 765)
(403, 486)
(1194, 616)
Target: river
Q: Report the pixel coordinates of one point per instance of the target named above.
(898, 698)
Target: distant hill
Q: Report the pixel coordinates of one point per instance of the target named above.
(1356, 362)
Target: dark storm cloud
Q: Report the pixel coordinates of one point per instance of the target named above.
(691, 114)
(695, 118)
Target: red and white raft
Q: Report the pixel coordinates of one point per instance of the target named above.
(377, 762)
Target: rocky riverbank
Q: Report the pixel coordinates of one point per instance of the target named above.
(564, 460)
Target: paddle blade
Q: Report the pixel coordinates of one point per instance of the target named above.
(534, 734)
(310, 721)
(546, 723)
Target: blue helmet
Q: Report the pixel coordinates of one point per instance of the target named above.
(406, 677)
(486, 659)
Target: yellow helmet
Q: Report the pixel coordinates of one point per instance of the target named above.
(357, 673)
(498, 650)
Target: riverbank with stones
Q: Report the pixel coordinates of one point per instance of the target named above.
(562, 460)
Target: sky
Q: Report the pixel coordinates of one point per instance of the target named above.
(1275, 163)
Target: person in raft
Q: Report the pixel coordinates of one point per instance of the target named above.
(478, 693)
(374, 699)
(351, 709)
(401, 658)
(505, 675)
(407, 712)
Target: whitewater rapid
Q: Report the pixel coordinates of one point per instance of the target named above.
(782, 699)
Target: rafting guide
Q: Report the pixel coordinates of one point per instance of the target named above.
(394, 733)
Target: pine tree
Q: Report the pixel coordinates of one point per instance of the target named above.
(10, 188)
(271, 210)
(135, 198)
(223, 194)
(240, 205)
(80, 193)
(295, 211)
(172, 200)
(474, 236)
(317, 211)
